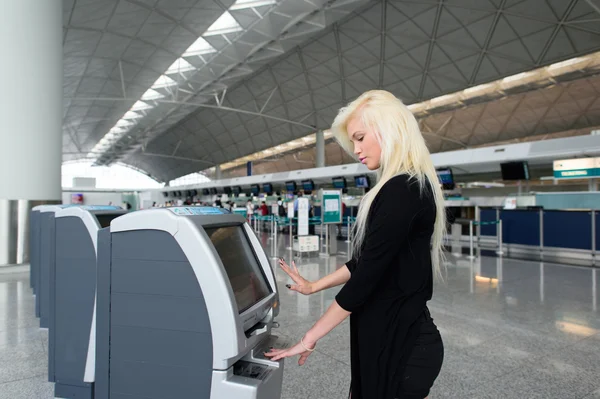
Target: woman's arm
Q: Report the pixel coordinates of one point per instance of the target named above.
(338, 277)
(332, 317)
(306, 287)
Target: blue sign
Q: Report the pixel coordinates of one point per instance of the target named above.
(101, 208)
(197, 210)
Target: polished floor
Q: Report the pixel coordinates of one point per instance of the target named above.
(512, 329)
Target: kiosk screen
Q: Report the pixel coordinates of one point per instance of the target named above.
(245, 274)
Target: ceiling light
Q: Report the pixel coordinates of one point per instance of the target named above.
(440, 99)
(567, 63)
(517, 77)
(477, 88)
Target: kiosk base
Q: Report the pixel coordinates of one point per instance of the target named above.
(73, 391)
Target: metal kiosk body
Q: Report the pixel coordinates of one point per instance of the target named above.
(186, 304)
(71, 343)
(42, 256)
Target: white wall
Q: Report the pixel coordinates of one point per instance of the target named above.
(94, 198)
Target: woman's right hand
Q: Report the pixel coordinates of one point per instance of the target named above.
(302, 285)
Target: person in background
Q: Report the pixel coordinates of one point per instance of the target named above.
(264, 210)
(396, 350)
(249, 211)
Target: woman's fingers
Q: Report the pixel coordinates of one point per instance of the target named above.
(295, 268)
(303, 358)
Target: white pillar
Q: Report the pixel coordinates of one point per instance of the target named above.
(592, 186)
(218, 172)
(31, 112)
(320, 148)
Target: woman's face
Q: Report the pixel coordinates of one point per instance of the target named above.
(366, 146)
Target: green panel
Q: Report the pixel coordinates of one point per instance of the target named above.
(240, 211)
(576, 173)
(332, 216)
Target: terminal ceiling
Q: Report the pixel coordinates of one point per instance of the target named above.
(312, 58)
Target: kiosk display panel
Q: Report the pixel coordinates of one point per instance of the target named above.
(246, 277)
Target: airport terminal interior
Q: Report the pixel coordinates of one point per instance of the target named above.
(159, 157)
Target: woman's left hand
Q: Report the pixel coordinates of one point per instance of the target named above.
(298, 349)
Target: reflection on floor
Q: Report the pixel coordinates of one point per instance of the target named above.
(511, 329)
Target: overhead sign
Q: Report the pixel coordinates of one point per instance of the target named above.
(577, 168)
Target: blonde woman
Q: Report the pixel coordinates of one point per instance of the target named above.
(396, 349)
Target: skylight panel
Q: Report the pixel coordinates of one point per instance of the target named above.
(179, 66)
(131, 115)
(151, 95)
(140, 106)
(199, 47)
(163, 81)
(225, 24)
(242, 4)
(123, 123)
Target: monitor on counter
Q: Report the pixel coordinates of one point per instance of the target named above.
(308, 185)
(362, 181)
(268, 188)
(213, 190)
(237, 190)
(291, 186)
(246, 276)
(227, 190)
(515, 170)
(255, 189)
(205, 191)
(446, 178)
(339, 183)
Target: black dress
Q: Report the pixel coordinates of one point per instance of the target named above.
(390, 284)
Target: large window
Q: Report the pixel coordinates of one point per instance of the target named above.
(116, 176)
(192, 178)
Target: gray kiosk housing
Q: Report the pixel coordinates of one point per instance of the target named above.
(34, 251)
(71, 343)
(186, 304)
(42, 256)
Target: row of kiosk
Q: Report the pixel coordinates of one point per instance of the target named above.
(163, 303)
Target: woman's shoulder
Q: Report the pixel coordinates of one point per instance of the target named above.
(404, 186)
(402, 183)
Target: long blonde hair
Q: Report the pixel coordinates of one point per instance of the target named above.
(403, 151)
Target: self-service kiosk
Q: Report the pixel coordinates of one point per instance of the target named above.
(186, 303)
(41, 255)
(71, 343)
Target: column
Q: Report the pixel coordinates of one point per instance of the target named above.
(592, 185)
(320, 149)
(218, 172)
(31, 115)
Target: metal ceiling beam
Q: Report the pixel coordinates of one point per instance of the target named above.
(336, 33)
(593, 5)
(436, 23)
(557, 28)
(486, 45)
(151, 154)
(200, 105)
